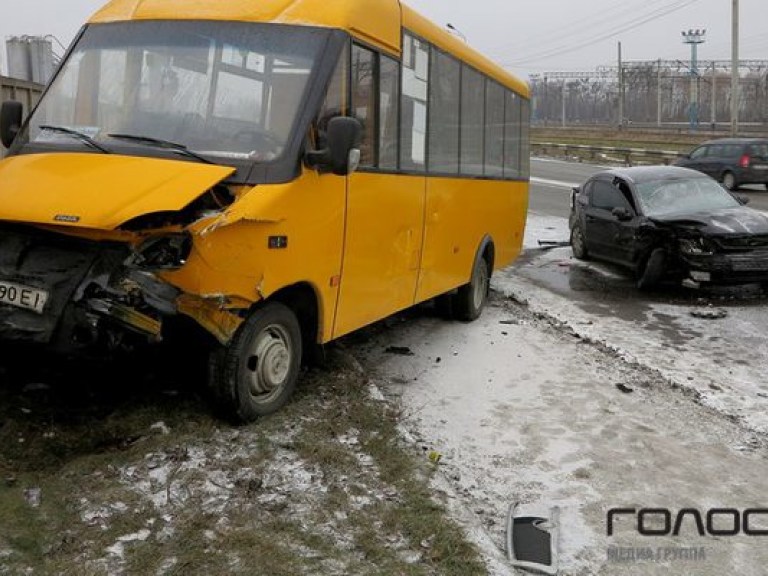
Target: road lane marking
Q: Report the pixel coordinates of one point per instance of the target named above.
(553, 183)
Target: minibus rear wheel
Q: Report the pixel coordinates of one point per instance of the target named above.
(470, 299)
(256, 373)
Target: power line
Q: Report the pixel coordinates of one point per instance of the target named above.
(632, 24)
(574, 28)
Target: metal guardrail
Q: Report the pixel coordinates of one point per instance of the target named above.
(628, 155)
(22, 91)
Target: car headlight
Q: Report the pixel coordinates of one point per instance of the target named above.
(166, 252)
(697, 246)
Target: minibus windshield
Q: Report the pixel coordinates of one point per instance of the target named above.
(226, 90)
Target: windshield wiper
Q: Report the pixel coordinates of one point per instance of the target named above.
(166, 144)
(84, 138)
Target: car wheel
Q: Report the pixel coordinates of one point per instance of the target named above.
(729, 181)
(653, 270)
(578, 245)
(256, 373)
(470, 299)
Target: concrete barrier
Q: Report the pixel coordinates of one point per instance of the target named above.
(22, 91)
(629, 156)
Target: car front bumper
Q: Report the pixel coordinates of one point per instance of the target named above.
(729, 268)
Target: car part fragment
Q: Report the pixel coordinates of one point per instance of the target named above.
(532, 541)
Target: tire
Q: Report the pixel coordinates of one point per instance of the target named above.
(470, 299)
(729, 181)
(256, 373)
(653, 270)
(578, 245)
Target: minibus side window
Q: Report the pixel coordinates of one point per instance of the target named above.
(494, 129)
(512, 123)
(444, 99)
(389, 93)
(472, 121)
(364, 100)
(335, 103)
(525, 141)
(413, 110)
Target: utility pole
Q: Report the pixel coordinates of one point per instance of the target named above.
(621, 92)
(694, 38)
(658, 94)
(713, 98)
(565, 85)
(735, 96)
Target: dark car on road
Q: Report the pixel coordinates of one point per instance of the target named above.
(732, 161)
(666, 222)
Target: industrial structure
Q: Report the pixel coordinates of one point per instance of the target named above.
(656, 93)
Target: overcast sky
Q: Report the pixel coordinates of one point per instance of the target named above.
(526, 36)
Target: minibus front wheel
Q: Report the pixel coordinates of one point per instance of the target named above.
(256, 373)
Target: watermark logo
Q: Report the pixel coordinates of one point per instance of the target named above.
(690, 521)
(620, 554)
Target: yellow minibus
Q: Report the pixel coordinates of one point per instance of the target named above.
(277, 173)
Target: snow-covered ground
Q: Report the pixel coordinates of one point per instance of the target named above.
(724, 361)
(554, 405)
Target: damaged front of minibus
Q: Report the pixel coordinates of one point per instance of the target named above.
(161, 175)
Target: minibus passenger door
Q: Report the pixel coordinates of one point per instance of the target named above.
(386, 196)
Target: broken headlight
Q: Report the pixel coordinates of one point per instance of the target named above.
(697, 246)
(166, 252)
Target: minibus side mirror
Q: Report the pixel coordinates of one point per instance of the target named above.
(10, 121)
(342, 153)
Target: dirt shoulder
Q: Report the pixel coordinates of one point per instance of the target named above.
(122, 470)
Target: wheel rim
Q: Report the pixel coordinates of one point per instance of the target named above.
(268, 362)
(729, 181)
(480, 285)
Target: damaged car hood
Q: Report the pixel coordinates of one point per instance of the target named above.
(98, 191)
(739, 220)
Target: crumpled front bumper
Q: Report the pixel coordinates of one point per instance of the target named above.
(729, 268)
(91, 294)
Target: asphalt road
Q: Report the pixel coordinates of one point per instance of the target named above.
(552, 180)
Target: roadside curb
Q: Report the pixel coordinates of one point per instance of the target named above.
(495, 560)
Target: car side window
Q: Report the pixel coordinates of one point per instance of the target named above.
(759, 150)
(700, 152)
(586, 192)
(717, 151)
(732, 151)
(606, 196)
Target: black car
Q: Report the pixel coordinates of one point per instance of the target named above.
(666, 222)
(732, 161)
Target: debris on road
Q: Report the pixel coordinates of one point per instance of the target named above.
(547, 244)
(709, 313)
(399, 350)
(625, 389)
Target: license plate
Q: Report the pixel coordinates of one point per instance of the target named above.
(760, 166)
(23, 296)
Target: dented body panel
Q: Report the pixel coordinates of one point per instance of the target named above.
(106, 192)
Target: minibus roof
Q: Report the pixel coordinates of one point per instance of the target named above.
(376, 22)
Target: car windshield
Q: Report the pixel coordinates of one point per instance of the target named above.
(682, 195)
(222, 89)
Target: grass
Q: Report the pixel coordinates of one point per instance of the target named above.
(326, 486)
